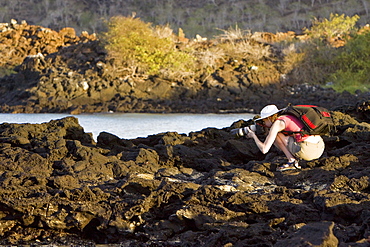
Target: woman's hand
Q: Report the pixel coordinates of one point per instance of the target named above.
(251, 133)
(265, 146)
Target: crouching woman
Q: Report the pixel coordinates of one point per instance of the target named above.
(281, 130)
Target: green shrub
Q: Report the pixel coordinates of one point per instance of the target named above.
(319, 62)
(336, 26)
(314, 64)
(353, 67)
(137, 47)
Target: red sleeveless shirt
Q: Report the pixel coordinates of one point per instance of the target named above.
(293, 124)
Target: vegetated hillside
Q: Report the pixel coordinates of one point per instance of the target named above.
(63, 72)
(204, 17)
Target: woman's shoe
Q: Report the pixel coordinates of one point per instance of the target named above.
(289, 166)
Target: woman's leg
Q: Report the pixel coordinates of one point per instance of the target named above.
(281, 142)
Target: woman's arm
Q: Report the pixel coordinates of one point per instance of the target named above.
(276, 127)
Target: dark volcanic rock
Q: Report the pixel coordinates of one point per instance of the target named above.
(60, 187)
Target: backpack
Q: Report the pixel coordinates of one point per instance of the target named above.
(317, 120)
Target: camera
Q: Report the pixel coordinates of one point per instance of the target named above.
(243, 131)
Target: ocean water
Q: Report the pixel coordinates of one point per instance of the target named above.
(133, 125)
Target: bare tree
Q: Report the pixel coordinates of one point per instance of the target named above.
(365, 3)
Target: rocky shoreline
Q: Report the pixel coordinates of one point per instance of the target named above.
(60, 187)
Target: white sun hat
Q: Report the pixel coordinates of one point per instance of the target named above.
(268, 111)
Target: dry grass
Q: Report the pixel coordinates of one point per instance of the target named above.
(253, 49)
(210, 57)
(163, 32)
(232, 34)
